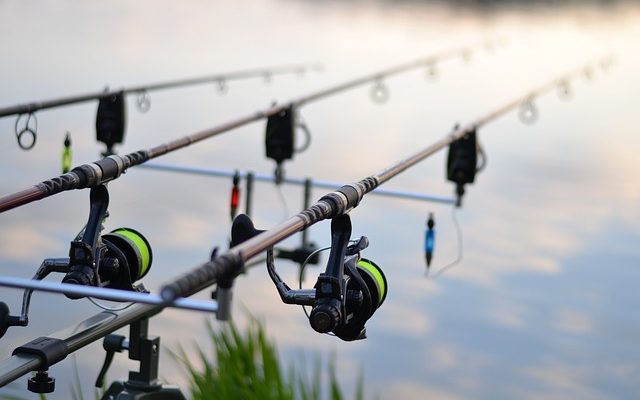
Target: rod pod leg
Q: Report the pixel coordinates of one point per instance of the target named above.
(143, 384)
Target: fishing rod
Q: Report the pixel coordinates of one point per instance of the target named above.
(307, 252)
(315, 183)
(343, 200)
(279, 140)
(379, 90)
(331, 298)
(112, 100)
(143, 90)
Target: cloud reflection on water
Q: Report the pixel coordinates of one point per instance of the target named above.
(543, 303)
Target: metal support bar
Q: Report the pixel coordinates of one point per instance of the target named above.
(306, 204)
(319, 184)
(106, 294)
(250, 177)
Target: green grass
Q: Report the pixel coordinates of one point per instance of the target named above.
(246, 365)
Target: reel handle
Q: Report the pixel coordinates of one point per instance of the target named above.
(325, 317)
(7, 320)
(329, 309)
(84, 254)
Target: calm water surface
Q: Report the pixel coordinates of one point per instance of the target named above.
(545, 302)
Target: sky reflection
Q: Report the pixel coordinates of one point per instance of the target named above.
(544, 304)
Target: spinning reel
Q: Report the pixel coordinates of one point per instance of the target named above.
(345, 296)
(114, 260)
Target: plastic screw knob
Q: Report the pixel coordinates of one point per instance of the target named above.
(41, 383)
(324, 318)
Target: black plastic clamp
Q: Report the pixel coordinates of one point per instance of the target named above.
(49, 350)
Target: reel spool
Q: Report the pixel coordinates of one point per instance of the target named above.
(366, 291)
(375, 280)
(134, 255)
(125, 257)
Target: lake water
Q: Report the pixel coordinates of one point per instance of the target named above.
(545, 301)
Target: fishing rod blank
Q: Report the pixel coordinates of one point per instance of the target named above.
(142, 90)
(333, 204)
(402, 194)
(379, 76)
(110, 168)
